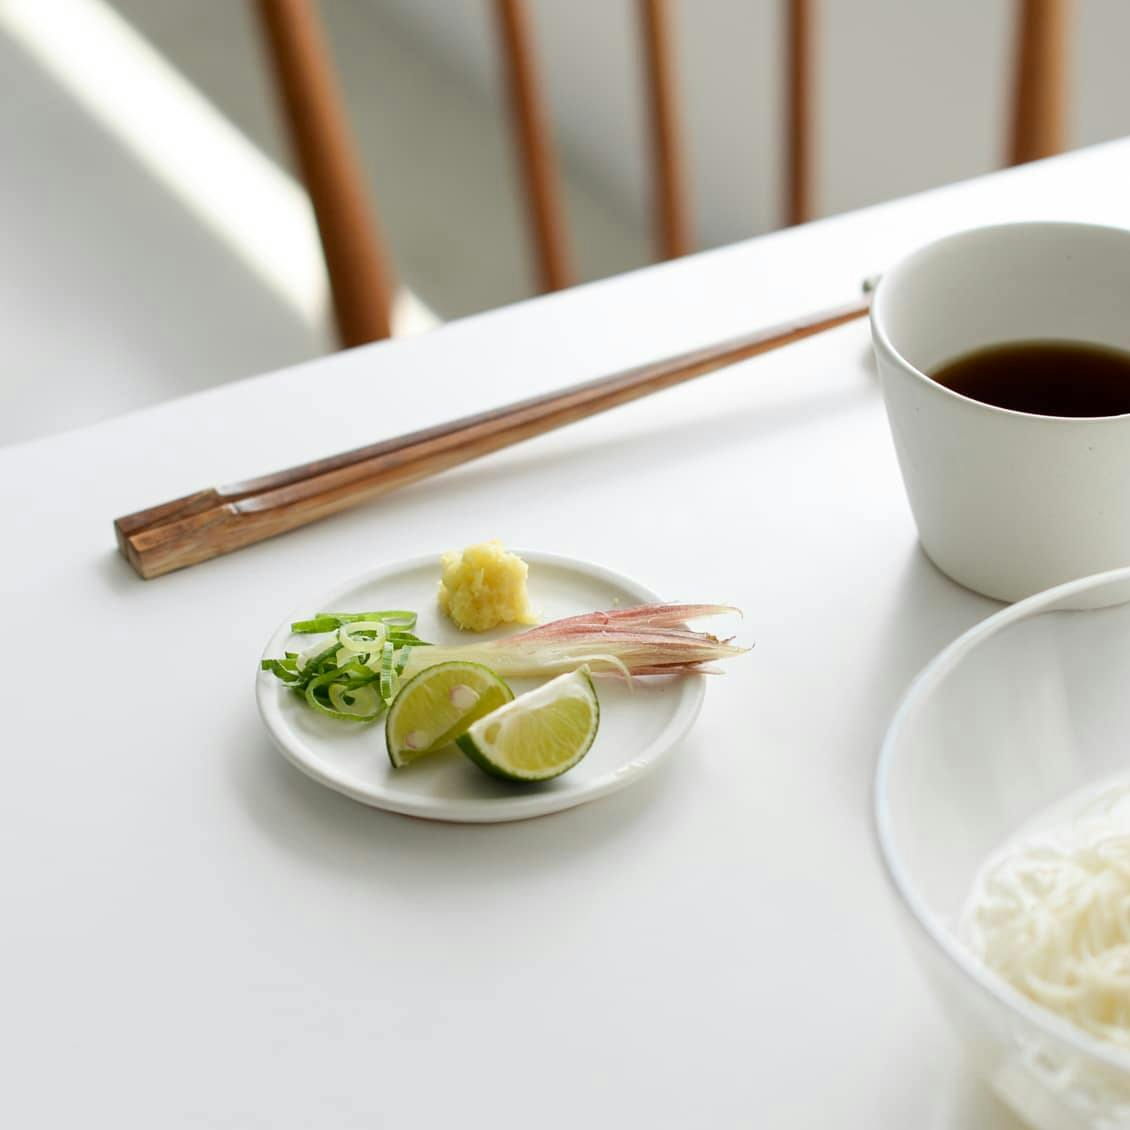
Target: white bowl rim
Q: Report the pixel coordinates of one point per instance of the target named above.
(934, 929)
(881, 337)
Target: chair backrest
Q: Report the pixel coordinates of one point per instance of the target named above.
(314, 114)
(1039, 100)
(356, 257)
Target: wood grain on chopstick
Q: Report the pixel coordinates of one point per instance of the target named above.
(218, 520)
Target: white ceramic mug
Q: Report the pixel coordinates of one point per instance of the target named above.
(1007, 503)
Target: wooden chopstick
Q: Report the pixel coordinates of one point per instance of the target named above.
(218, 520)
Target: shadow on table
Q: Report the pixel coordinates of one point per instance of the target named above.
(327, 829)
(928, 612)
(973, 1106)
(650, 448)
(118, 574)
(920, 613)
(867, 363)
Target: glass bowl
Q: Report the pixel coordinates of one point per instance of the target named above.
(1025, 709)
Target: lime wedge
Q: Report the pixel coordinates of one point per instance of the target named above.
(436, 706)
(540, 734)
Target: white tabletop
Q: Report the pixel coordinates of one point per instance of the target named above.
(197, 935)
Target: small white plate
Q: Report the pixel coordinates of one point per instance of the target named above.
(638, 724)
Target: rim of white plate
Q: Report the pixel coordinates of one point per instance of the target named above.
(475, 810)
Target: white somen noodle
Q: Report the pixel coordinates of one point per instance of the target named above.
(1051, 915)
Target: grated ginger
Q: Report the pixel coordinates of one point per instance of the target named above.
(485, 586)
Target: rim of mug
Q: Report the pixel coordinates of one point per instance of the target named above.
(881, 339)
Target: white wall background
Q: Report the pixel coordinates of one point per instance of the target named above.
(913, 92)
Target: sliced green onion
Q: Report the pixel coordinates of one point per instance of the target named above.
(324, 685)
(318, 624)
(331, 621)
(350, 636)
(388, 675)
(399, 617)
(315, 655)
(362, 703)
(278, 668)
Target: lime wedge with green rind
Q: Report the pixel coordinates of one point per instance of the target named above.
(540, 734)
(437, 705)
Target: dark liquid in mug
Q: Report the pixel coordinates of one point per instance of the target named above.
(1045, 378)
